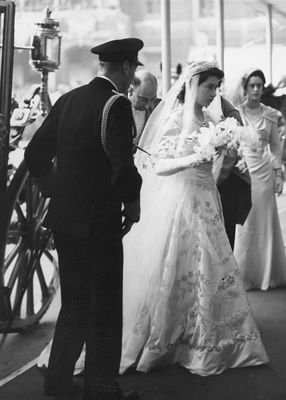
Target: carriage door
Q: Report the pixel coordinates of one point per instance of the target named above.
(7, 17)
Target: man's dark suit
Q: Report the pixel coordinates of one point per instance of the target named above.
(87, 191)
(233, 185)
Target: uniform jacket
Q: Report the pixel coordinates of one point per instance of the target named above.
(89, 187)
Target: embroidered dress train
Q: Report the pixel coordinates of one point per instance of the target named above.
(184, 300)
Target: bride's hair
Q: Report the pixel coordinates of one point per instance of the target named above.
(203, 76)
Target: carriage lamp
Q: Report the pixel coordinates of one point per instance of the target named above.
(46, 53)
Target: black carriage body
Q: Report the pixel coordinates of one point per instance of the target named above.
(28, 263)
(7, 13)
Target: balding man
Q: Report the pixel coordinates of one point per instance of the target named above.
(143, 96)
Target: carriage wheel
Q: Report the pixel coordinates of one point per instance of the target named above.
(29, 272)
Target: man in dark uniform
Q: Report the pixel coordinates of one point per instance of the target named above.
(94, 175)
(234, 186)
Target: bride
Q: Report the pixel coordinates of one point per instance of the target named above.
(184, 300)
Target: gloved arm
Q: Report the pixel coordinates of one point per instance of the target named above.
(168, 162)
(169, 166)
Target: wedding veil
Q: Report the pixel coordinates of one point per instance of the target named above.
(153, 130)
(143, 249)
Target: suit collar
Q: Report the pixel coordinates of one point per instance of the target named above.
(109, 80)
(103, 82)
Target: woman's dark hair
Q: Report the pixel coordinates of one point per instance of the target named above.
(203, 76)
(258, 73)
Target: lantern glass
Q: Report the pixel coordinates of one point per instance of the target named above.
(52, 50)
(45, 54)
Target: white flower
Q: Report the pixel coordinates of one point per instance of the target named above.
(215, 139)
(206, 152)
(211, 141)
(228, 124)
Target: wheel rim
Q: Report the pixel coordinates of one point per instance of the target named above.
(30, 266)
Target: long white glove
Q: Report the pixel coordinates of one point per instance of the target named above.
(169, 166)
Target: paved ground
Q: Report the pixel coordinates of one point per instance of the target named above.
(260, 383)
(21, 349)
(174, 383)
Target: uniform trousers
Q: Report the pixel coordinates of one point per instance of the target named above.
(91, 313)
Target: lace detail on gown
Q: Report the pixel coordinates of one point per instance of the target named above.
(185, 302)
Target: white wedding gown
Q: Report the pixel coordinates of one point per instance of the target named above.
(184, 300)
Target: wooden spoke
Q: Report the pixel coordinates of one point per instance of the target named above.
(17, 249)
(42, 281)
(20, 282)
(30, 298)
(15, 272)
(39, 208)
(29, 200)
(39, 202)
(20, 214)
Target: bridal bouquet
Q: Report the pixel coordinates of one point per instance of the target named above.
(217, 139)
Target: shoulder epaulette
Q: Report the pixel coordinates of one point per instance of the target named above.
(105, 113)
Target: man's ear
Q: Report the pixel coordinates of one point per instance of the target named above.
(126, 67)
